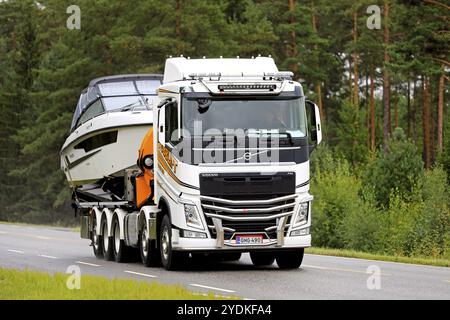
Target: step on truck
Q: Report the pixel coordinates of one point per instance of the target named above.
(222, 170)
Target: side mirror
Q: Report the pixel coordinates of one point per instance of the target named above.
(314, 125)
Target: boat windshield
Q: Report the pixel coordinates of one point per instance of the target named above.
(116, 94)
(124, 103)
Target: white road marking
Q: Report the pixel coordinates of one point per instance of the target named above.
(340, 269)
(314, 267)
(215, 296)
(16, 251)
(141, 274)
(212, 288)
(88, 264)
(43, 238)
(448, 281)
(2, 232)
(48, 257)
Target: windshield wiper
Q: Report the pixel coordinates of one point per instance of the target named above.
(271, 133)
(129, 106)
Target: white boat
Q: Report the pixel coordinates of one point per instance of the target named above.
(111, 118)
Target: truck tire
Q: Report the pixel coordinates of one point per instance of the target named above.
(262, 258)
(170, 259)
(120, 251)
(107, 242)
(97, 240)
(147, 249)
(291, 259)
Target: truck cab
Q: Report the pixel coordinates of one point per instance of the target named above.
(232, 140)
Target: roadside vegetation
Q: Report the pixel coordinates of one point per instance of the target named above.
(388, 206)
(32, 285)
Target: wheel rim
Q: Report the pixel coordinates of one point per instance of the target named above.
(95, 239)
(165, 243)
(105, 237)
(144, 242)
(117, 237)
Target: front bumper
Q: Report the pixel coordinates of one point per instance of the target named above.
(197, 244)
(273, 218)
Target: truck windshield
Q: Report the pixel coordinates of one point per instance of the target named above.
(252, 115)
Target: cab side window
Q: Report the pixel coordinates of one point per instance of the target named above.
(171, 122)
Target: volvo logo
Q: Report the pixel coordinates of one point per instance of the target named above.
(247, 156)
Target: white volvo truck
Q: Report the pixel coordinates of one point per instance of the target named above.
(223, 170)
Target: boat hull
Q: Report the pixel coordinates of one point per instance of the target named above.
(104, 147)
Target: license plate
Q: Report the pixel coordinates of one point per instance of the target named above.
(249, 239)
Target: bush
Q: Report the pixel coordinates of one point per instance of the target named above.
(397, 224)
(361, 226)
(335, 189)
(415, 221)
(433, 225)
(398, 170)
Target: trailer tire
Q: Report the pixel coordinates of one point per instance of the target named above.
(108, 254)
(262, 258)
(291, 259)
(147, 249)
(170, 259)
(97, 240)
(120, 251)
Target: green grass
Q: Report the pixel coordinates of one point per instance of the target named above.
(439, 262)
(56, 225)
(33, 285)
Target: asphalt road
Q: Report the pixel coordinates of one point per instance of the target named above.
(320, 277)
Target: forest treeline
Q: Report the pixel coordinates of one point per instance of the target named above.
(381, 179)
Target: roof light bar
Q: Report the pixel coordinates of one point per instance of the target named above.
(204, 75)
(281, 74)
(224, 87)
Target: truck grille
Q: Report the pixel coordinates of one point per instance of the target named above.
(261, 214)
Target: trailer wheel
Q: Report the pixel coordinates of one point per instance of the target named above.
(291, 259)
(170, 259)
(262, 258)
(147, 248)
(120, 250)
(107, 242)
(97, 240)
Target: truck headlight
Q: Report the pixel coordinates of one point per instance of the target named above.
(302, 214)
(192, 216)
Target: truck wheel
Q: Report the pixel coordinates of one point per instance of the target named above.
(262, 258)
(291, 259)
(97, 240)
(107, 242)
(147, 249)
(171, 260)
(120, 251)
